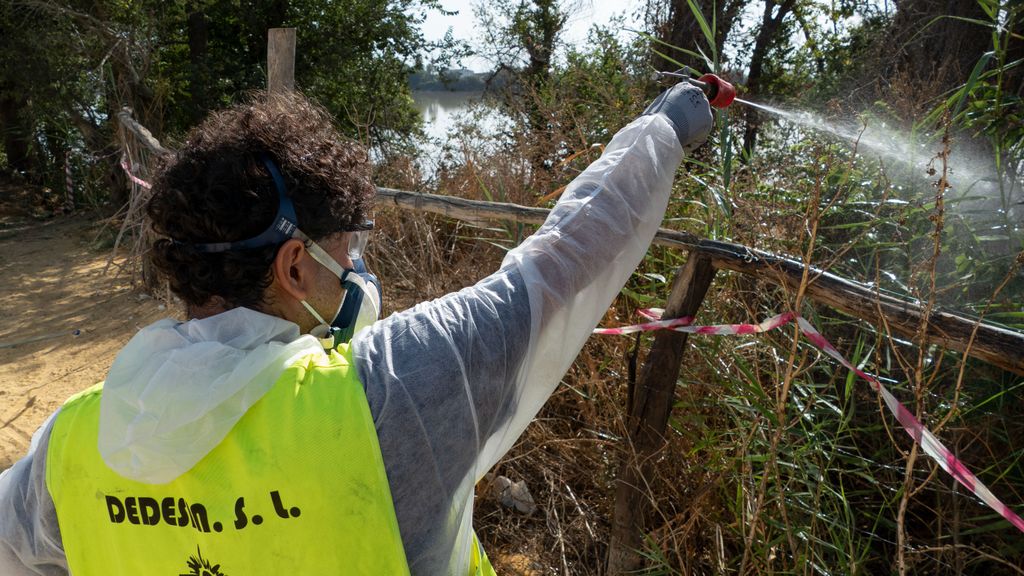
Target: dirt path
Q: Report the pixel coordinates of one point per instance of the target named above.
(52, 283)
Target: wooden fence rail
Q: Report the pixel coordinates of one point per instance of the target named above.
(999, 346)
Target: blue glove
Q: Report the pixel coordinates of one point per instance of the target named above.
(688, 112)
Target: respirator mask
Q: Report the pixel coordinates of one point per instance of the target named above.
(360, 303)
(361, 298)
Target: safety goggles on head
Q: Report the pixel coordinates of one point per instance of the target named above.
(284, 226)
(358, 239)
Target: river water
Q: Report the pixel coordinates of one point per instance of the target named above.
(443, 112)
(440, 110)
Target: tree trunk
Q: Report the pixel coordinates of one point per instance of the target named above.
(537, 25)
(930, 47)
(55, 155)
(538, 30)
(17, 132)
(679, 28)
(766, 36)
(255, 26)
(538, 34)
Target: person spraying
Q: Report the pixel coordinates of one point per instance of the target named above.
(282, 427)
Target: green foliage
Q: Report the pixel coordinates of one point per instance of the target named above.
(809, 471)
(353, 59)
(68, 66)
(601, 83)
(560, 119)
(356, 60)
(522, 35)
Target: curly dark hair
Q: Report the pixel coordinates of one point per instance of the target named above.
(217, 189)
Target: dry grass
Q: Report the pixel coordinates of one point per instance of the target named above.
(776, 461)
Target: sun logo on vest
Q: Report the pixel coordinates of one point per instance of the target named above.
(201, 566)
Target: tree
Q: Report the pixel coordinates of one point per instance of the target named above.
(356, 61)
(14, 120)
(352, 59)
(521, 40)
(522, 36)
(27, 79)
(933, 42)
(674, 22)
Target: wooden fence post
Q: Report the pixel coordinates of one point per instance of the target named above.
(651, 404)
(280, 59)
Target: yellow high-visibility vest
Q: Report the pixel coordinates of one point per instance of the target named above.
(297, 487)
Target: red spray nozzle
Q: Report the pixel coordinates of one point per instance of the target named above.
(720, 92)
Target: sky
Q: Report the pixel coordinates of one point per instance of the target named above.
(588, 13)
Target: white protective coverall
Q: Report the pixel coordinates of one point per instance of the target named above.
(451, 383)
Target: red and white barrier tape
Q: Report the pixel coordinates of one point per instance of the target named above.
(929, 443)
(133, 177)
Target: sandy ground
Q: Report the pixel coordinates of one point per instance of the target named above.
(51, 284)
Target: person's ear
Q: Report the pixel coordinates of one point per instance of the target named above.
(294, 270)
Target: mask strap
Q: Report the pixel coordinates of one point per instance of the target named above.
(282, 228)
(322, 332)
(346, 276)
(319, 254)
(313, 311)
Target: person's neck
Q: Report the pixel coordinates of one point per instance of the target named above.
(214, 306)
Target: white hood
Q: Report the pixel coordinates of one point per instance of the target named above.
(177, 388)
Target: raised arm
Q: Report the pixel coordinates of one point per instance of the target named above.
(453, 382)
(577, 262)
